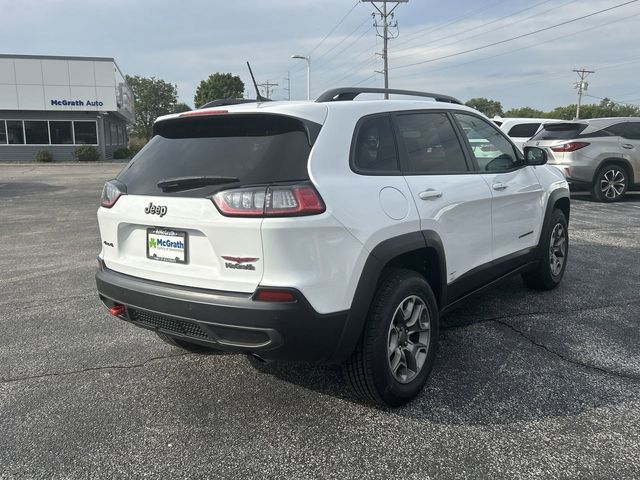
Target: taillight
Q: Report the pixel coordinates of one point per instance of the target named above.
(273, 201)
(194, 113)
(111, 192)
(569, 147)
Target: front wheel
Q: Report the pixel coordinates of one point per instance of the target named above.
(610, 184)
(552, 260)
(392, 361)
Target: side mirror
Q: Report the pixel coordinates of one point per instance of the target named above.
(535, 156)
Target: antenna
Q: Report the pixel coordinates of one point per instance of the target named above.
(259, 98)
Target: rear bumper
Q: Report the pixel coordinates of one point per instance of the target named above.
(225, 320)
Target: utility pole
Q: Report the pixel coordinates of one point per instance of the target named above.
(581, 86)
(267, 87)
(386, 36)
(288, 89)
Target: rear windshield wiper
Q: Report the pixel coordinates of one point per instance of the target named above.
(185, 183)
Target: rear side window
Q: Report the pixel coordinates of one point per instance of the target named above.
(374, 151)
(633, 130)
(430, 143)
(257, 149)
(524, 130)
(560, 131)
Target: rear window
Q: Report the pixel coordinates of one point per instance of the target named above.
(257, 149)
(560, 131)
(524, 130)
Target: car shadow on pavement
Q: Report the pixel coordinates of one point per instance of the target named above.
(512, 355)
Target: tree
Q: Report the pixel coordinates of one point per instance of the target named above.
(180, 107)
(153, 97)
(524, 112)
(218, 85)
(490, 108)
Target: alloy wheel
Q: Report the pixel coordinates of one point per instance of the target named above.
(409, 338)
(557, 249)
(612, 183)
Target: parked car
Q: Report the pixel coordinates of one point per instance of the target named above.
(332, 231)
(521, 129)
(601, 153)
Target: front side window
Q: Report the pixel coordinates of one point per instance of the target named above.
(375, 148)
(430, 143)
(37, 133)
(61, 133)
(633, 130)
(85, 133)
(493, 152)
(3, 132)
(15, 134)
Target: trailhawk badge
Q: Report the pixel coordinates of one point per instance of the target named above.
(240, 263)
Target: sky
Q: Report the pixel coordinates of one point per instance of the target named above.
(184, 42)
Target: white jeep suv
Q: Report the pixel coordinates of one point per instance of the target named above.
(333, 231)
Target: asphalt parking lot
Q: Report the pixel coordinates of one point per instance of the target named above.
(533, 385)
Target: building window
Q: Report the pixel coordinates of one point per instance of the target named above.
(36, 133)
(61, 133)
(15, 134)
(3, 132)
(113, 127)
(85, 133)
(121, 135)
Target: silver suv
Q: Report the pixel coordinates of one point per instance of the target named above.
(603, 153)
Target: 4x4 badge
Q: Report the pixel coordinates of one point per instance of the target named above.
(156, 209)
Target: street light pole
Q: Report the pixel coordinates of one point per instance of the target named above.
(308, 59)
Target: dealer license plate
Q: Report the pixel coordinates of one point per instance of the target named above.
(166, 245)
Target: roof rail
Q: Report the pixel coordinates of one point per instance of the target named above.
(349, 93)
(221, 102)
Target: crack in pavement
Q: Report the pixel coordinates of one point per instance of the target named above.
(626, 376)
(90, 369)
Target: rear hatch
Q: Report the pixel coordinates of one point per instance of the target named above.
(167, 228)
(554, 134)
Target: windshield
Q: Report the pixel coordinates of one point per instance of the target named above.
(559, 131)
(256, 149)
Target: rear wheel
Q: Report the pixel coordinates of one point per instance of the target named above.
(185, 345)
(392, 361)
(553, 255)
(611, 183)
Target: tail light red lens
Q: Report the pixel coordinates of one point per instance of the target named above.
(273, 201)
(111, 192)
(273, 295)
(569, 147)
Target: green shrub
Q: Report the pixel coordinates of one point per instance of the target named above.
(44, 156)
(121, 153)
(86, 153)
(134, 149)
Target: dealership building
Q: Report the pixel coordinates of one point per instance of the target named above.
(59, 103)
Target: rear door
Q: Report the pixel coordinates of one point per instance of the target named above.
(517, 195)
(452, 200)
(177, 234)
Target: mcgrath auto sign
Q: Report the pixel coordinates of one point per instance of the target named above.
(75, 103)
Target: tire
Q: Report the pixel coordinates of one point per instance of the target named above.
(404, 312)
(183, 344)
(610, 183)
(554, 249)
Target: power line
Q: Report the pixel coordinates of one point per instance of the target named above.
(556, 7)
(614, 101)
(344, 40)
(493, 44)
(455, 20)
(334, 28)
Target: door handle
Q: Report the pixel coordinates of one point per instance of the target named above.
(628, 146)
(430, 193)
(500, 186)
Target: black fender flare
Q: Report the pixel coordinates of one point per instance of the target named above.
(371, 274)
(554, 197)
